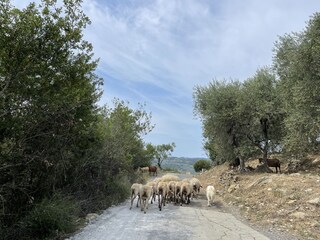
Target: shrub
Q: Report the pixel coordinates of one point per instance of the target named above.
(201, 164)
(50, 217)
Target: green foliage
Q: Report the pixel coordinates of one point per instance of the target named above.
(161, 152)
(47, 101)
(202, 164)
(262, 115)
(297, 64)
(49, 217)
(53, 137)
(240, 119)
(217, 105)
(118, 148)
(271, 111)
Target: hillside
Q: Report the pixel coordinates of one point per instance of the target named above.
(287, 202)
(181, 164)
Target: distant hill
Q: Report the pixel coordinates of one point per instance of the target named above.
(181, 164)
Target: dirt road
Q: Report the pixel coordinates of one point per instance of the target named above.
(194, 221)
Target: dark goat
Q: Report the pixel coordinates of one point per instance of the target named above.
(153, 169)
(234, 164)
(272, 162)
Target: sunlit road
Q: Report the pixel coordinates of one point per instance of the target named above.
(194, 221)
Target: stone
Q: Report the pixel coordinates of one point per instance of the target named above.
(315, 201)
(300, 215)
(91, 216)
(291, 201)
(233, 187)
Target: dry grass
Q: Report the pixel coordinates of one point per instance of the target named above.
(272, 201)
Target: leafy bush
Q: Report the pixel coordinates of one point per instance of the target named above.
(201, 164)
(118, 190)
(50, 217)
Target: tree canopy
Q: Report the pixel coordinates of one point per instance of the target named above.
(278, 109)
(161, 152)
(61, 155)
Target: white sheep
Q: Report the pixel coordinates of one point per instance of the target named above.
(143, 169)
(210, 194)
(135, 190)
(169, 177)
(186, 191)
(196, 185)
(154, 190)
(186, 180)
(177, 191)
(171, 191)
(162, 194)
(145, 194)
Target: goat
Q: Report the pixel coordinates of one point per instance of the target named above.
(235, 163)
(153, 169)
(272, 162)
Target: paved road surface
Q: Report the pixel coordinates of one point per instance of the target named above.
(195, 221)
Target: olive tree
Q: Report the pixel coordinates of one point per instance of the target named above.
(296, 62)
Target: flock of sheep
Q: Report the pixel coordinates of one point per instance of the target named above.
(168, 188)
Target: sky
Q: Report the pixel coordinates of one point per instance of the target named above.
(155, 52)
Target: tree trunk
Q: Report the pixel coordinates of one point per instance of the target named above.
(159, 163)
(242, 166)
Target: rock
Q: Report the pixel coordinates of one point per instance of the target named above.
(233, 187)
(309, 190)
(316, 162)
(315, 201)
(295, 174)
(261, 181)
(291, 201)
(300, 215)
(91, 216)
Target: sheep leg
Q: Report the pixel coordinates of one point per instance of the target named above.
(139, 199)
(142, 205)
(146, 206)
(132, 199)
(188, 199)
(131, 204)
(159, 201)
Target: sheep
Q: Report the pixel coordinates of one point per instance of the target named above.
(171, 191)
(186, 190)
(162, 194)
(272, 162)
(210, 194)
(196, 185)
(135, 190)
(177, 192)
(143, 169)
(168, 178)
(186, 180)
(145, 194)
(154, 191)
